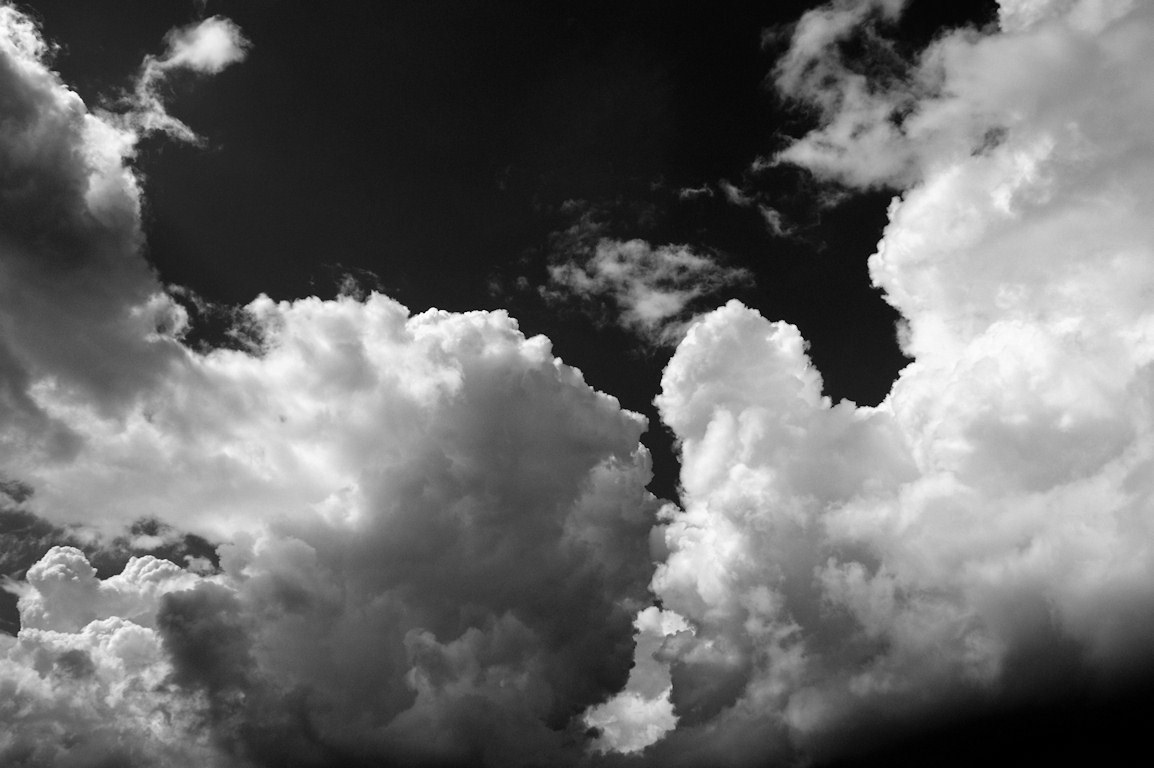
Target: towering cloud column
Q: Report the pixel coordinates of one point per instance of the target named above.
(988, 530)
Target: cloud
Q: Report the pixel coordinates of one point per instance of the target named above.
(981, 538)
(647, 290)
(774, 221)
(694, 193)
(435, 534)
(70, 239)
(86, 679)
(206, 47)
(734, 195)
(642, 713)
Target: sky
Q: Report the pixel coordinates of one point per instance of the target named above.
(575, 384)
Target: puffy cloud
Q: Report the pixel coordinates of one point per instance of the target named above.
(436, 534)
(76, 301)
(86, 681)
(641, 714)
(647, 290)
(983, 536)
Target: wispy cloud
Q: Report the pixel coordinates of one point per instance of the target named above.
(206, 47)
(648, 290)
(645, 289)
(694, 193)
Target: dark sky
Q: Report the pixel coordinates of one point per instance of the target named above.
(432, 144)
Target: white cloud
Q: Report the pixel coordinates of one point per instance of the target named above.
(695, 193)
(206, 47)
(641, 714)
(86, 680)
(649, 289)
(438, 537)
(846, 568)
(70, 237)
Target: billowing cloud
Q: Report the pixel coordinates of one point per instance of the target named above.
(85, 681)
(434, 534)
(642, 713)
(648, 290)
(435, 538)
(984, 535)
(80, 311)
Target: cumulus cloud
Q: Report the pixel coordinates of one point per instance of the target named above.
(642, 713)
(86, 679)
(435, 534)
(983, 535)
(80, 312)
(648, 290)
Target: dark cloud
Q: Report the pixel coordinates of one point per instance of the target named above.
(205, 639)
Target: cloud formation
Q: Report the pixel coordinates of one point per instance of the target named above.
(648, 290)
(435, 537)
(206, 47)
(984, 534)
(435, 532)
